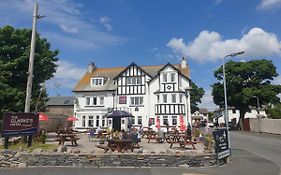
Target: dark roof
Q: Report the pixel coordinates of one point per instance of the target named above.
(203, 110)
(60, 101)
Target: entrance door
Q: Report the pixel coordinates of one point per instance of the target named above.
(116, 125)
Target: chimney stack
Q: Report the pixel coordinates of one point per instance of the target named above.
(91, 67)
(183, 63)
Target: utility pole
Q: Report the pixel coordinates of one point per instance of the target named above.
(31, 60)
(31, 64)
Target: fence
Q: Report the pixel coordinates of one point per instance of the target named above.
(272, 126)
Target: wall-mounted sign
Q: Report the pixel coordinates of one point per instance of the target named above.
(221, 143)
(19, 124)
(122, 99)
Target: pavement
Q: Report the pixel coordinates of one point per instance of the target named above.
(86, 146)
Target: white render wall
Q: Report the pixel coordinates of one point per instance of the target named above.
(231, 115)
(146, 111)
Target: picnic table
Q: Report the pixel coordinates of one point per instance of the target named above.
(119, 145)
(181, 139)
(153, 136)
(68, 137)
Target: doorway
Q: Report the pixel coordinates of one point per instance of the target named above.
(116, 125)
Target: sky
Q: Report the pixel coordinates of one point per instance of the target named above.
(113, 33)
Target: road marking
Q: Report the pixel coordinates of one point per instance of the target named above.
(192, 174)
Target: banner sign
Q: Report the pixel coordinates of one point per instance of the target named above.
(122, 99)
(221, 143)
(20, 124)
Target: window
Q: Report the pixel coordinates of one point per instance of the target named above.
(94, 100)
(158, 99)
(136, 100)
(90, 121)
(103, 121)
(180, 98)
(97, 120)
(123, 121)
(83, 121)
(165, 120)
(87, 100)
(133, 120)
(234, 111)
(97, 81)
(165, 78)
(164, 98)
(139, 120)
(134, 80)
(173, 77)
(174, 120)
(101, 100)
(109, 121)
(174, 100)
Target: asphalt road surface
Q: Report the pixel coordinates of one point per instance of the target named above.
(252, 154)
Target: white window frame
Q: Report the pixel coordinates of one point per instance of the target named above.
(165, 77)
(174, 98)
(181, 98)
(136, 101)
(134, 80)
(173, 77)
(101, 100)
(165, 98)
(88, 101)
(97, 81)
(91, 121)
(95, 99)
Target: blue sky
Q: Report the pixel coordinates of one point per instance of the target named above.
(118, 32)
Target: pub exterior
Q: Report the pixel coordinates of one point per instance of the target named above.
(146, 92)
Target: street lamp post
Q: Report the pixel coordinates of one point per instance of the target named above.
(226, 119)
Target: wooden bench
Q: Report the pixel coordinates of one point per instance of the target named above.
(154, 137)
(73, 140)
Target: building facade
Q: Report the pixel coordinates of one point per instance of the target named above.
(234, 115)
(146, 92)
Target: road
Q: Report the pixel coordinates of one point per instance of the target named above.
(252, 154)
(264, 145)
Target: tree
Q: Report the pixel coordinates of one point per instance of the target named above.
(196, 94)
(245, 80)
(14, 59)
(274, 111)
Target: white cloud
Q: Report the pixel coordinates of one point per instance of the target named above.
(67, 15)
(207, 101)
(69, 29)
(269, 4)
(277, 80)
(104, 20)
(67, 75)
(218, 1)
(210, 46)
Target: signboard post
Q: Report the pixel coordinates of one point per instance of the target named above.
(221, 144)
(19, 124)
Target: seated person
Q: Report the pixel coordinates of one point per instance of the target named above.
(124, 135)
(160, 136)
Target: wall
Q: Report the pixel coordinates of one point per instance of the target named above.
(67, 110)
(272, 126)
(15, 159)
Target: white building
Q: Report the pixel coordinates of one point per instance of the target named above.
(146, 92)
(200, 115)
(234, 114)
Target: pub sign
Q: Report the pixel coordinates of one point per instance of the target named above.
(20, 124)
(221, 143)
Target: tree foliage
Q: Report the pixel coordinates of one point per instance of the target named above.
(14, 60)
(196, 94)
(274, 111)
(244, 80)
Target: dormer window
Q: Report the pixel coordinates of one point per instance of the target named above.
(97, 81)
(173, 77)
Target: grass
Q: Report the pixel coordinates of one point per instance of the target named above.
(44, 147)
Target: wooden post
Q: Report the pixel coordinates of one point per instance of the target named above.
(29, 141)
(6, 143)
